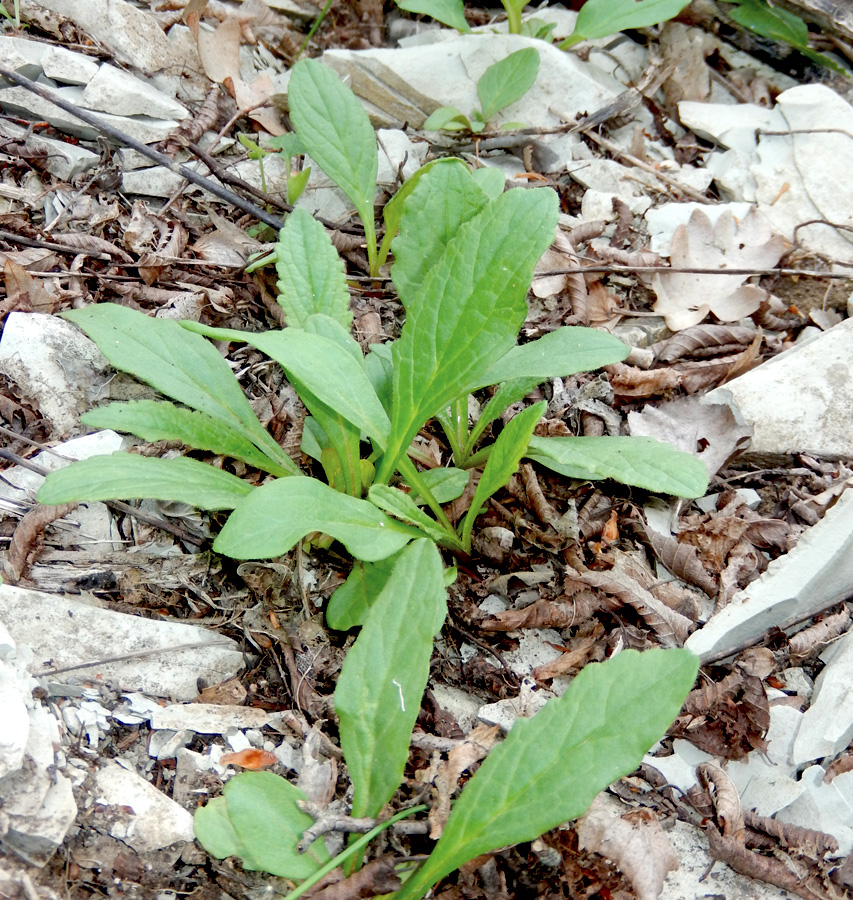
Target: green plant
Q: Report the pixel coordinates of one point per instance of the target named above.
(464, 258)
(500, 85)
(777, 24)
(546, 772)
(600, 18)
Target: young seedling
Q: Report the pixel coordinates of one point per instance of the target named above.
(464, 259)
(500, 86)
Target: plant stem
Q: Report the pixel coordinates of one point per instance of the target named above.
(354, 847)
(317, 22)
(411, 474)
(513, 15)
(370, 238)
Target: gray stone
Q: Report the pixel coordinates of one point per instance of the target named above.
(36, 836)
(23, 56)
(68, 67)
(207, 718)
(118, 92)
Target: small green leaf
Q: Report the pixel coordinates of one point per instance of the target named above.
(288, 144)
(349, 604)
(640, 461)
(467, 313)
(507, 80)
(445, 483)
(277, 515)
(384, 675)
(264, 817)
(449, 12)
(600, 18)
(508, 393)
(551, 767)
(447, 118)
(399, 504)
(335, 131)
(562, 352)
(126, 476)
(503, 461)
(310, 272)
(296, 184)
(182, 366)
(158, 420)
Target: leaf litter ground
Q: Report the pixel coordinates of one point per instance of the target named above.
(575, 562)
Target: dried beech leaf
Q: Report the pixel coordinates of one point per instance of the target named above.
(804, 840)
(635, 842)
(629, 381)
(817, 636)
(726, 798)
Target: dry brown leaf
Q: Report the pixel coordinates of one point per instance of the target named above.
(635, 842)
(629, 381)
(804, 840)
(726, 798)
(685, 299)
(570, 662)
(90, 243)
(680, 559)
(817, 636)
(28, 539)
(25, 293)
(703, 340)
(377, 878)
(250, 758)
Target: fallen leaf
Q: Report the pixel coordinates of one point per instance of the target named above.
(250, 758)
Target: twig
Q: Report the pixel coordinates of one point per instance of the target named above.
(155, 155)
(13, 238)
(154, 651)
(695, 270)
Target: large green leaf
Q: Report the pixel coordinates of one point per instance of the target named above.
(349, 604)
(468, 311)
(126, 476)
(562, 352)
(600, 18)
(550, 767)
(258, 819)
(503, 461)
(336, 378)
(281, 513)
(640, 461)
(450, 12)
(439, 203)
(335, 131)
(310, 272)
(182, 366)
(384, 675)
(158, 420)
(507, 80)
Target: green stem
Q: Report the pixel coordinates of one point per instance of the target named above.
(411, 474)
(513, 18)
(354, 847)
(370, 238)
(314, 27)
(480, 458)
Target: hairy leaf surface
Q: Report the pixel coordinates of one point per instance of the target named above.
(384, 675)
(310, 272)
(281, 513)
(639, 461)
(550, 767)
(182, 366)
(126, 476)
(335, 131)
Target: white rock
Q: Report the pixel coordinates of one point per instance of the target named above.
(115, 91)
(663, 220)
(208, 718)
(67, 66)
(733, 126)
(799, 583)
(154, 820)
(35, 836)
(812, 390)
(22, 55)
(679, 768)
(14, 721)
(65, 632)
(823, 807)
(460, 704)
(504, 713)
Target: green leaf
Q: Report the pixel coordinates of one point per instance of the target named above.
(336, 132)
(399, 504)
(126, 476)
(158, 420)
(440, 203)
(445, 483)
(384, 675)
(601, 18)
(640, 461)
(447, 118)
(393, 211)
(507, 80)
(317, 363)
(507, 394)
(296, 184)
(288, 144)
(277, 515)
(550, 767)
(506, 453)
(349, 605)
(468, 311)
(182, 366)
(258, 819)
(449, 12)
(491, 179)
(559, 353)
(379, 367)
(310, 272)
